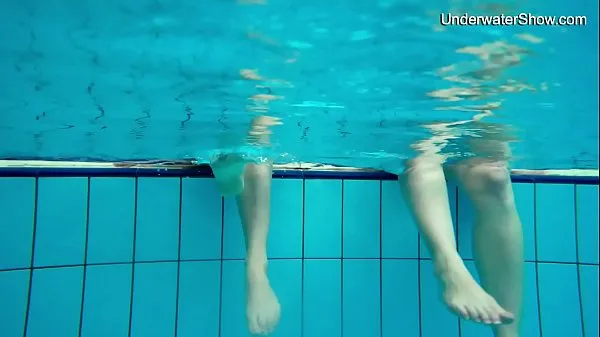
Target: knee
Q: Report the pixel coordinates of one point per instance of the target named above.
(494, 174)
(423, 169)
(260, 171)
(490, 179)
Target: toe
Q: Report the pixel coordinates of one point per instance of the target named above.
(506, 317)
(482, 315)
(494, 316)
(486, 315)
(474, 315)
(500, 316)
(253, 327)
(263, 324)
(274, 319)
(267, 326)
(460, 310)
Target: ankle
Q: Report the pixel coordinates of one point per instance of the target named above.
(447, 263)
(256, 269)
(446, 258)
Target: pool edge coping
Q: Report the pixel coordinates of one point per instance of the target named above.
(15, 168)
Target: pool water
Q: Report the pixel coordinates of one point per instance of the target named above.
(90, 251)
(354, 83)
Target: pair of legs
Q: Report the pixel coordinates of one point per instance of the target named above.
(250, 183)
(497, 238)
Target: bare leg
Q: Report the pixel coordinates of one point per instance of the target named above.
(424, 188)
(262, 306)
(497, 235)
(250, 182)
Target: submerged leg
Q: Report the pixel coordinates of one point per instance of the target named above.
(424, 188)
(262, 306)
(250, 182)
(497, 235)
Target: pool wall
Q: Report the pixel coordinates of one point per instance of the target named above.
(163, 256)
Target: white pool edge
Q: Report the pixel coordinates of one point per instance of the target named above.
(290, 166)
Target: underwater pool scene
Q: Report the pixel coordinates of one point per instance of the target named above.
(145, 143)
(354, 83)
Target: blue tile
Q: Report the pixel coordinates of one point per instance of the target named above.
(400, 238)
(323, 219)
(471, 328)
(361, 219)
(154, 302)
(112, 213)
(559, 300)
(16, 222)
(436, 319)
(530, 323)
(199, 288)
(286, 279)
(233, 305)
(13, 292)
(525, 201)
(285, 231)
(61, 221)
(587, 223)
(360, 295)
(106, 301)
(452, 198)
(233, 233)
(464, 225)
(201, 219)
(55, 305)
(400, 298)
(322, 298)
(157, 227)
(555, 212)
(589, 299)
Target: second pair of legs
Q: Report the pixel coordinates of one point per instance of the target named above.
(497, 238)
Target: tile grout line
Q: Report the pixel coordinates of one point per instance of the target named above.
(342, 266)
(380, 260)
(133, 251)
(176, 332)
(302, 265)
(85, 255)
(456, 223)
(537, 274)
(117, 263)
(575, 199)
(220, 323)
(419, 284)
(32, 260)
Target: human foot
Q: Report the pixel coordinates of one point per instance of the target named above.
(466, 298)
(228, 170)
(262, 306)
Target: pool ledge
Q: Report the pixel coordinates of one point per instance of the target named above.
(32, 168)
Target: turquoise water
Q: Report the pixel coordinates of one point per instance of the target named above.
(163, 257)
(353, 82)
(357, 83)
